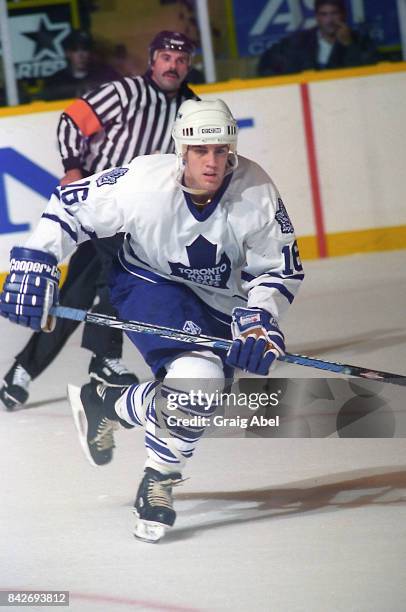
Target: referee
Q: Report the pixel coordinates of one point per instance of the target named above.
(107, 127)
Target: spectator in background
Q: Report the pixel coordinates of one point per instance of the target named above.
(82, 73)
(330, 44)
(123, 62)
(196, 76)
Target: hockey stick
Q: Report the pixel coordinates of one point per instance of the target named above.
(76, 314)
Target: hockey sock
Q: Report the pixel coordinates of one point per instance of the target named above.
(131, 406)
(178, 414)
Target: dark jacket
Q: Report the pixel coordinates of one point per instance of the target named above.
(298, 52)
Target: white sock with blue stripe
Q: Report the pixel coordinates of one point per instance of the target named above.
(133, 404)
(146, 405)
(170, 446)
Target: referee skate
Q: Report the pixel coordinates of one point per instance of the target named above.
(95, 430)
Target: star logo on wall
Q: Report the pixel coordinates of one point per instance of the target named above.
(48, 38)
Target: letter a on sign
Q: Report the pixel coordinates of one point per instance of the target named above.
(271, 13)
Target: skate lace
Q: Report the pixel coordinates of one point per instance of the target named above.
(160, 492)
(21, 378)
(116, 365)
(104, 438)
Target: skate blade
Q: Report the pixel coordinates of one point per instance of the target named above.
(148, 531)
(9, 402)
(80, 420)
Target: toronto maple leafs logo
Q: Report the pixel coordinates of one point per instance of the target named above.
(282, 218)
(203, 269)
(111, 177)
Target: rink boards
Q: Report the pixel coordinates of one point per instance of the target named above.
(334, 143)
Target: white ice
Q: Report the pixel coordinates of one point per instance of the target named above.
(309, 525)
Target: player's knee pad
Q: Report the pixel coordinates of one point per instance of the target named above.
(199, 374)
(195, 364)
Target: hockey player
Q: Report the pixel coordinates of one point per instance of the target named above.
(207, 236)
(107, 127)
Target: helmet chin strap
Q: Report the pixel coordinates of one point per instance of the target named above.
(232, 165)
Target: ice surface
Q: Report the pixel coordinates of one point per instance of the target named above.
(309, 525)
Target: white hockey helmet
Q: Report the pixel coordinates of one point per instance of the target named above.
(201, 122)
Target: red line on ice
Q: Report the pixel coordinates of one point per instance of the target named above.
(94, 597)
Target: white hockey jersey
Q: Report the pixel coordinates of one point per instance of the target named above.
(238, 250)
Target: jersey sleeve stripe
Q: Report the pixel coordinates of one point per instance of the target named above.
(247, 277)
(63, 225)
(285, 276)
(91, 235)
(240, 297)
(281, 288)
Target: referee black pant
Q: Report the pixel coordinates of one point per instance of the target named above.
(85, 287)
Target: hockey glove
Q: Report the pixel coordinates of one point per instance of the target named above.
(258, 341)
(30, 289)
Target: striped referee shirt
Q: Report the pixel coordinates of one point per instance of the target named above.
(118, 121)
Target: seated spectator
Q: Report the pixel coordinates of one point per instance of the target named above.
(330, 44)
(123, 62)
(81, 74)
(195, 76)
